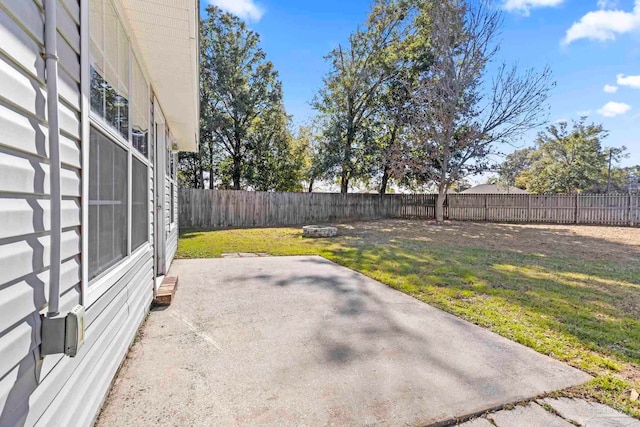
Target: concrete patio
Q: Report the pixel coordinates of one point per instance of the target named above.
(302, 341)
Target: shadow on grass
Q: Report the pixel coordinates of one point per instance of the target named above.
(546, 303)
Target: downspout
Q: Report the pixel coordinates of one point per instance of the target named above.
(51, 58)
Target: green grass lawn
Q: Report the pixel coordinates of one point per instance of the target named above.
(572, 293)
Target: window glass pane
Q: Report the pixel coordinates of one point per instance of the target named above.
(96, 25)
(140, 125)
(109, 66)
(107, 203)
(172, 214)
(96, 22)
(152, 133)
(98, 85)
(139, 204)
(168, 155)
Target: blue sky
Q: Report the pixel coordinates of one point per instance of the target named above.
(592, 46)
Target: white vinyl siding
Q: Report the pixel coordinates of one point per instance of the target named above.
(56, 390)
(24, 197)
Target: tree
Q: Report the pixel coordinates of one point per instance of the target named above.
(393, 116)
(633, 179)
(273, 162)
(189, 169)
(568, 159)
(514, 164)
(413, 57)
(238, 85)
(457, 115)
(613, 154)
(349, 99)
(306, 148)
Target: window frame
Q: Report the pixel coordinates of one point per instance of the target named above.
(103, 53)
(94, 120)
(146, 198)
(128, 198)
(173, 183)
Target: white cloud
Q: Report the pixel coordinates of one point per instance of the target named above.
(631, 81)
(584, 113)
(612, 109)
(610, 88)
(604, 25)
(607, 4)
(245, 9)
(525, 6)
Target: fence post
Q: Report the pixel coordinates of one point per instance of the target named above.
(486, 207)
(577, 208)
(445, 208)
(529, 208)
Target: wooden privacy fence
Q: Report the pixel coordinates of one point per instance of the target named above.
(215, 209)
(601, 209)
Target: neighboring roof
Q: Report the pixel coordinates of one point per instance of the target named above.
(494, 189)
(166, 33)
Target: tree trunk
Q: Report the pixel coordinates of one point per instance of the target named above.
(311, 182)
(200, 177)
(442, 195)
(387, 170)
(211, 178)
(609, 171)
(344, 183)
(385, 180)
(236, 172)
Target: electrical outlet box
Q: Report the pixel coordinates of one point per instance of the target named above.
(74, 331)
(63, 333)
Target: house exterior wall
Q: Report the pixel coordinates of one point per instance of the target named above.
(57, 390)
(171, 215)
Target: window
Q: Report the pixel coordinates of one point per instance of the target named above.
(152, 132)
(119, 143)
(109, 52)
(140, 125)
(139, 204)
(108, 223)
(168, 154)
(172, 215)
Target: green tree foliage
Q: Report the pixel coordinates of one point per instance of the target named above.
(189, 170)
(306, 148)
(274, 162)
(457, 115)
(348, 102)
(243, 122)
(633, 179)
(567, 159)
(514, 164)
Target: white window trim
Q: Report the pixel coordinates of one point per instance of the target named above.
(148, 192)
(93, 289)
(85, 89)
(128, 254)
(107, 279)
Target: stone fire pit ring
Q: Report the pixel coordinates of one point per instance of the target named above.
(315, 231)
